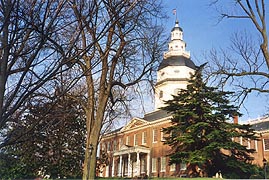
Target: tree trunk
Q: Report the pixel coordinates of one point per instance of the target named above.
(90, 157)
(4, 59)
(94, 126)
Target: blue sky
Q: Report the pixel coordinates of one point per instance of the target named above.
(203, 31)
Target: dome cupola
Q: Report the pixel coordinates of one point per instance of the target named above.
(174, 71)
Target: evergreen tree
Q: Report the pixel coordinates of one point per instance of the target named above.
(202, 136)
(52, 143)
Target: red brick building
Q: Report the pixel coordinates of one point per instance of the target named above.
(138, 148)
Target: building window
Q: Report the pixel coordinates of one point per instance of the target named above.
(135, 140)
(154, 164)
(183, 166)
(266, 144)
(120, 143)
(127, 140)
(163, 164)
(108, 146)
(154, 132)
(172, 167)
(144, 137)
(256, 145)
(161, 94)
(115, 145)
(162, 136)
(248, 144)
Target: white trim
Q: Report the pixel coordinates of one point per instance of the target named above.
(132, 122)
(166, 120)
(127, 150)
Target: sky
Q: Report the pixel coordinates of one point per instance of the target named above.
(203, 31)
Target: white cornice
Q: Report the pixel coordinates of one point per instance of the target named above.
(148, 125)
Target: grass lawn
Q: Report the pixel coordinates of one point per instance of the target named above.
(170, 178)
(189, 178)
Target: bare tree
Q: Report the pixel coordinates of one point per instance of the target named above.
(30, 50)
(244, 65)
(126, 50)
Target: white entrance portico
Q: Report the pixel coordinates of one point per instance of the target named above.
(131, 161)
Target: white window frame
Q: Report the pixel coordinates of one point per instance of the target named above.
(163, 164)
(154, 164)
(266, 145)
(154, 134)
(135, 140)
(256, 145)
(144, 137)
(183, 166)
(162, 136)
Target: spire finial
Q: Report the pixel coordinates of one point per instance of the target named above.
(177, 23)
(175, 13)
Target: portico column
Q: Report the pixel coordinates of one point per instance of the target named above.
(148, 162)
(113, 163)
(120, 166)
(138, 163)
(129, 166)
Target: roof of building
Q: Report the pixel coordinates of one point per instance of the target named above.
(261, 126)
(156, 115)
(177, 26)
(174, 28)
(114, 131)
(177, 61)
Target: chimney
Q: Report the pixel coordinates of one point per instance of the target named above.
(235, 119)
